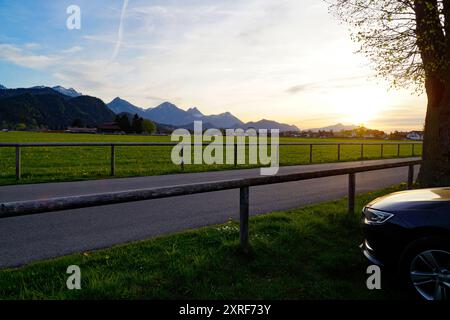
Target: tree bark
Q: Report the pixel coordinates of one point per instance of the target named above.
(433, 43)
(435, 170)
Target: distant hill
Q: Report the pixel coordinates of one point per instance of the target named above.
(33, 90)
(168, 113)
(269, 124)
(45, 107)
(42, 90)
(335, 128)
(119, 105)
(194, 112)
(225, 120)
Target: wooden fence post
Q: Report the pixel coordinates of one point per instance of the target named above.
(362, 151)
(398, 150)
(310, 153)
(235, 154)
(382, 151)
(243, 216)
(351, 193)
(413, 149)
(339, 152)
(113, 160)
(410, 176)
(18, 163)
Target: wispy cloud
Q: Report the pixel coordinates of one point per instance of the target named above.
(74, 49)
(120, 31)
(343, 82)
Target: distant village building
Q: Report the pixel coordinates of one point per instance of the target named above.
(415, 135)
(81, 130)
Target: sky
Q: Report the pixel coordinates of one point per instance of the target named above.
(284, 60)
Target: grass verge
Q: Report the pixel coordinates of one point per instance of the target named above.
(306, 253)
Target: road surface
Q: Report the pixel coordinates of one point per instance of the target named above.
(28, 238)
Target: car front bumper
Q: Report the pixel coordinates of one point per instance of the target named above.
(369, 253)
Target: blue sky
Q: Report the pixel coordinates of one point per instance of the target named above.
(287, 60)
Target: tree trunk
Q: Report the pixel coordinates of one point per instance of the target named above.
(435, 170)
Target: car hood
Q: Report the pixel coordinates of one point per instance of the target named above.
(421, 199)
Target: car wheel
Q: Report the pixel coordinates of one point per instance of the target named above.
(425, 268)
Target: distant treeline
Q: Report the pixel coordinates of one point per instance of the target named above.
(134, 125)
(360, 132)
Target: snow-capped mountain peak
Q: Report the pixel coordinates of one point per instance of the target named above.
(71, 92)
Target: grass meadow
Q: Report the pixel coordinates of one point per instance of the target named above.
(51, 164)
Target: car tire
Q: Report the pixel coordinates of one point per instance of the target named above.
(424, 268)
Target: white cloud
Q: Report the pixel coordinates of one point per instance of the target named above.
(32, 45)
(18, 56)
(74, 49)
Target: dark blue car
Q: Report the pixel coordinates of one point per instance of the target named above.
(410, 231)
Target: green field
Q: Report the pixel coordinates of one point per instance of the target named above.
(305, 253)
(78, 163)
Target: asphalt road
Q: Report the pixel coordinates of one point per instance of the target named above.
(28, 238)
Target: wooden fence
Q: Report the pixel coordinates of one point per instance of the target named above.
(19, 146)
(20, 208)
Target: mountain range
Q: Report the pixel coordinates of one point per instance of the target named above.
(45, 104)
(43, 107)
(170, 114)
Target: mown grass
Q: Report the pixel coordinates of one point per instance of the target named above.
(305, 253)
(80, 163)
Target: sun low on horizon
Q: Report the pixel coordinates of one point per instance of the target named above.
(357, 108)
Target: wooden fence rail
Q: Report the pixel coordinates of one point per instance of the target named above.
(19, 208)
(19, 146)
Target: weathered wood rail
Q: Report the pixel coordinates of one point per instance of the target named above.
(19, 146)
(20, 208)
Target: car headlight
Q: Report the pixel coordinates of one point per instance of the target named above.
(373, 216)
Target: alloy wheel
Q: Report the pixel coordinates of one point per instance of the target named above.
(430, 274)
